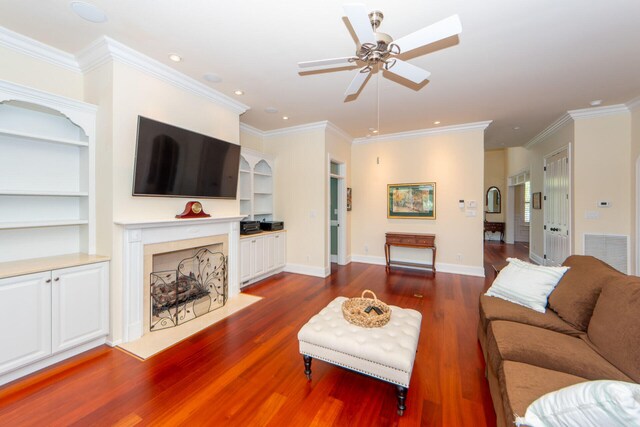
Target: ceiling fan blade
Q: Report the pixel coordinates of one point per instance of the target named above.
(440, 30)
(408, 71)
(359, 19)
(331, 62)
(357, 83)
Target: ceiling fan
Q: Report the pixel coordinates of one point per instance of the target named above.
(376, 48)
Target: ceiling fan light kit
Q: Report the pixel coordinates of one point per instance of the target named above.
(375, 48)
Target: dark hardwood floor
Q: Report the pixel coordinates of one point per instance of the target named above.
(246, 369)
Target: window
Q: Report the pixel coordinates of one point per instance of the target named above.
(527, 202)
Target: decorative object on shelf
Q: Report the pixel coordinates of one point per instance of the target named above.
(416, 201)
(348, 198)
(193, 210)
(493, 201)
(366, 312)
(537, 200)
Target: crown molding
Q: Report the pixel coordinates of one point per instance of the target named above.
(465, 127)
(106, 49)
(587, 113)
(251, 130)
(38, 50)
(339, 132)
(549, 130)
(297, 129)
(633, 104)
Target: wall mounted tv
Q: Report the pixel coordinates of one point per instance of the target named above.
(175, 162)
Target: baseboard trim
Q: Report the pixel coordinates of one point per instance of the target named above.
(536, 258)
(466, 270)
(307, 270)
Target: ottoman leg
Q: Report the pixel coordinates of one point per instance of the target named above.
(402, 395)
(307, 366)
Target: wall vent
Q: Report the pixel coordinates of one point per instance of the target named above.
(610, 248)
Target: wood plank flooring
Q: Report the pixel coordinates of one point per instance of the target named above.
(246, 370)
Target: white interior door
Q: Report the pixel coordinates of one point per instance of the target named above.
(557, 207)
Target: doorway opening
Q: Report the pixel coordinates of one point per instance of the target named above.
(337, 212)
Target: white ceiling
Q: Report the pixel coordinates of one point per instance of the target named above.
(519, 63)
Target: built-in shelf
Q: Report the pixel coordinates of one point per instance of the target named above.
(256, 185)
(245, 199)
(36, 137)
(41, 224)
(244, 171)
(261, 174)
(44, 193)
(263, 193)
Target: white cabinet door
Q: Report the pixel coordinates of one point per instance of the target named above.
(245, 260)
(257, 256)
(25, 320)
(80, 305)
(280, 250)
(270, 251)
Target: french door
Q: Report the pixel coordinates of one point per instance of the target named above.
(557, 207)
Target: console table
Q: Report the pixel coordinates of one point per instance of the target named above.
(410, 240)
(497, 227)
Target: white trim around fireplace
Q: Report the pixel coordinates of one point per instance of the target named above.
(137, 234)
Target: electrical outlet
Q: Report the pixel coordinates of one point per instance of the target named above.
(366, 249)
(459, 257)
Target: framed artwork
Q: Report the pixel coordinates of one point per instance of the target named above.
(537, 200)
(417, 201)
(348, 198)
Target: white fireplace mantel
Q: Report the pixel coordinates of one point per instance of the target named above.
(138, 233)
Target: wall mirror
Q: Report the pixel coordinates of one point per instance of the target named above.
(493, 200)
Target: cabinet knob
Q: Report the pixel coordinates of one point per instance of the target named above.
(56, 279)
(253, 241)
(48, 281)
(277, 237)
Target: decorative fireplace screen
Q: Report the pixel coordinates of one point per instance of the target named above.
(197, 286)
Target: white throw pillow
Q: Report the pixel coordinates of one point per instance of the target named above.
(592, 403)
(526, 284)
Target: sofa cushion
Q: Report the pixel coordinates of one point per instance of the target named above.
(526, 284)
(547, 349)
(597, 403)
(498, 309)
(521, 384)
(576, 294)
(614, 329)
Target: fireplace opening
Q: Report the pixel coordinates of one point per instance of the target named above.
(197, 285)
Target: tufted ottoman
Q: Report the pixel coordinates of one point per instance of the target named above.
(386, 353)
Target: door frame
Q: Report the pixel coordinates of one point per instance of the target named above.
(544, 197)
(342, 211)
(637, 245)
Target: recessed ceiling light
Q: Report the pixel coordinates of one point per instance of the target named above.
(375, 131)
(596, 102)
(436, 122)
(516, 128)
(239, 92)
(175, 57)
(285, 117)
(89, 12)
(271, 110)
(211, 77)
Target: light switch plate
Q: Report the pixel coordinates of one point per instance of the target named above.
(472, 204)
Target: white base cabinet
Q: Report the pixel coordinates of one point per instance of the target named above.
(261, 255)
(48, 316)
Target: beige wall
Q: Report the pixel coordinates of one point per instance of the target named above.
(635, 175)
(454, 162)
(602, 172)
(494, 176)
(38, 74)
(516, 160)
(337, 148)
(299, 196)
(251, 140)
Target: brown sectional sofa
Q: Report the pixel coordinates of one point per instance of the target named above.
(590, 331)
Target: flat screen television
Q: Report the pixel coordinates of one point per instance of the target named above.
(175, 162)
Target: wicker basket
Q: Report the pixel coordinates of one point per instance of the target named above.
(366, 312)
